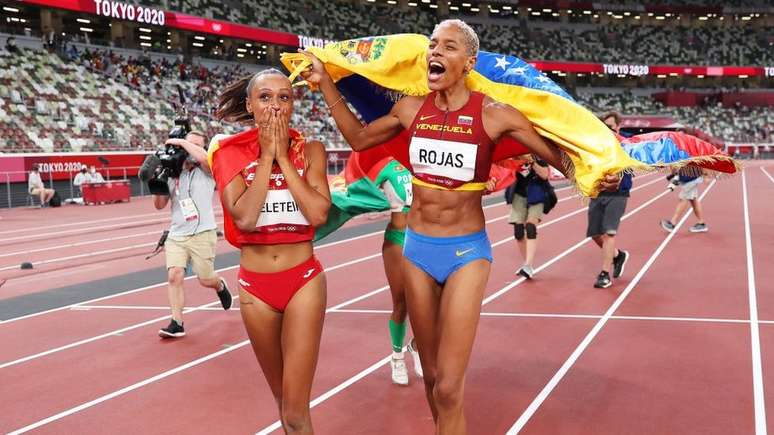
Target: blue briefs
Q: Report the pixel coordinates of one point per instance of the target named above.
(439, 257)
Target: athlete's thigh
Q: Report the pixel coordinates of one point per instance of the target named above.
(422, 299)
(460, 310)
(264, 327)
(301, 331)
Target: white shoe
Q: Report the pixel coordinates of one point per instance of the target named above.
(399, 372)
(415, 357)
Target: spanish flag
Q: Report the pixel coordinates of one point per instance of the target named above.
(374, 72)
(228, 156)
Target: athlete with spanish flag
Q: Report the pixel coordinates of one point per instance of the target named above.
(274, 191)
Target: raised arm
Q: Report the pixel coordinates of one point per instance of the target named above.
(359, 136)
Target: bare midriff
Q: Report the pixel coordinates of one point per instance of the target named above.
(446, 213)
(274, 258)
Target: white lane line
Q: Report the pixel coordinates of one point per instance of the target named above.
(575, 316)
(90, 301)
(131, 307)
(277, 424)
(755, 340)
(82, 223)
(141, 307)
(76, 244)
(333, 391)
(158, 319)
(34, 237)
(139, 289)
(84, 255)
(159, 377)
(127, 389)
(99, 337)
(549, 387)
(767, 174)
(571, 249)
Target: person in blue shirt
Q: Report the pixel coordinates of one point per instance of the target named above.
(605, 213)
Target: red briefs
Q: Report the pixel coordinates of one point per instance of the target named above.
(278, 288)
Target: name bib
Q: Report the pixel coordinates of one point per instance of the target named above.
(448, 159)
(280, 208)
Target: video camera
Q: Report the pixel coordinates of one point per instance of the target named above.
(170, 158)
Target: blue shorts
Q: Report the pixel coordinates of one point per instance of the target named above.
(439, 257)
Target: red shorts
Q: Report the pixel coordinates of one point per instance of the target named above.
(278, 288)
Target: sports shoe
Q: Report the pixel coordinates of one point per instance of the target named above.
(399, 372)
(603, 280)
(526, 271)
(174, 330)
(667, 225)
(619, 263)
(415, 356)
(699, 228)
(224, 295)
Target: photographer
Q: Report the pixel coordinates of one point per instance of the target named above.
(192, 232)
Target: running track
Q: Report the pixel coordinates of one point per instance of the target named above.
(680, 344)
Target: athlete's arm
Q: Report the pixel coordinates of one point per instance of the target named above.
(504, 120)
(244, 202)
(358, 136)
(540, 170)
(312, 195)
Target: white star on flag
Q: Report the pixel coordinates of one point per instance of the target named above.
(519, 70)
(501, 63)
(543, 79)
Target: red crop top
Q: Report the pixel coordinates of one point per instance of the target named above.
(450, 150)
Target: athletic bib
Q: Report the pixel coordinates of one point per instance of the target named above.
(452, 160)
(280, 208)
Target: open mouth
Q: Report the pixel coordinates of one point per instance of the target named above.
(435, 70)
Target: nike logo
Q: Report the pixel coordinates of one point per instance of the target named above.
(422, 118)
(309, 273)
(461, 253)
(243, 283)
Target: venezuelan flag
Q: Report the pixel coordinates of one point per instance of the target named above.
(680, 149)
(374, 72)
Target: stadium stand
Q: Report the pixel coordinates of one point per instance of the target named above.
(90, 97)
(99, 101)
(534, 39)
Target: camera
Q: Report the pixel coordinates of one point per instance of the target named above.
(171, 159)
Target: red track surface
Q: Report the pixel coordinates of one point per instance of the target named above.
(673, 355)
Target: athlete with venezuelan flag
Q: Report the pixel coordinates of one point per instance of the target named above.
(448, 255)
